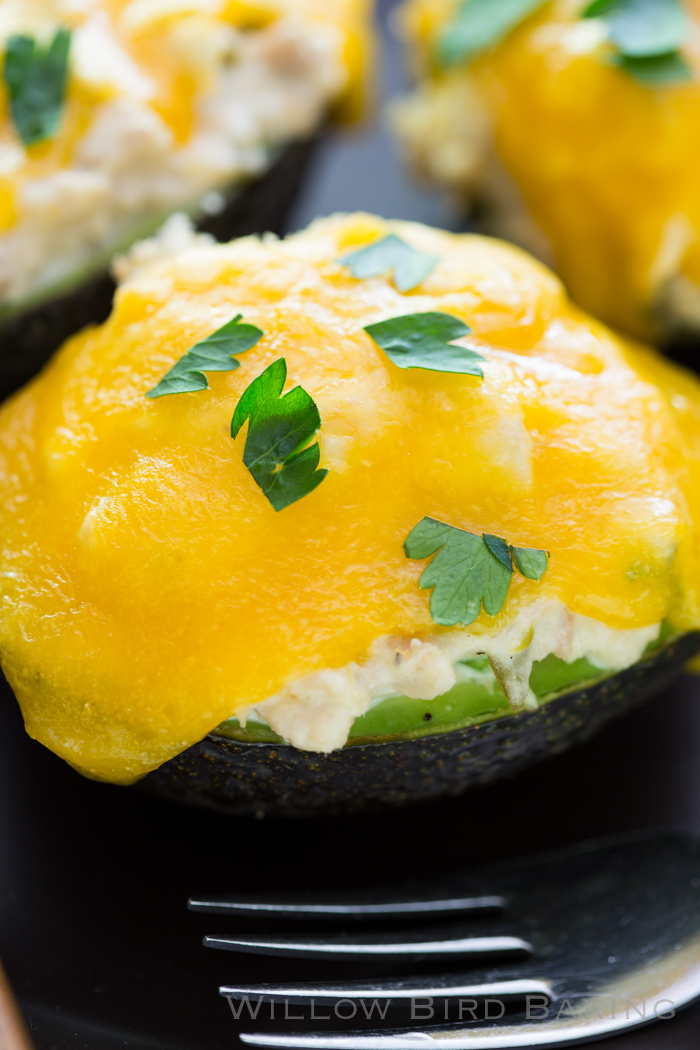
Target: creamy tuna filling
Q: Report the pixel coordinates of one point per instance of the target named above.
(317, 711)
(127, 171)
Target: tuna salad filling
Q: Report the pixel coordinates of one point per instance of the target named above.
(417, 686)
(132, 163)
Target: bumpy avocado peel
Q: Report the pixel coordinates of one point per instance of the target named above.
(272, 779)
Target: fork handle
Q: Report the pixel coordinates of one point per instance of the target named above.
(13, 1030)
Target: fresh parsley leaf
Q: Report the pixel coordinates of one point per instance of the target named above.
(424, 341)
(36, 79)
(480, 24)
(647, 35)
(500, 549)
(656, 70)
(213, 354)
(530, 563)
(464, 574)
(278, 429)
(469, 570)
(597, 9)
(410, 266)
(641, 28)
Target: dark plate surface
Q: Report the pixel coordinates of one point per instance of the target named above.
(93, 879)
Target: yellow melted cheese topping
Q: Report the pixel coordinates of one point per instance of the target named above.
(606, 165)
(148, 587)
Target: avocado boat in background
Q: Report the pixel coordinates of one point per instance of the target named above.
(572, 129)
(121, 112)
(366, 515)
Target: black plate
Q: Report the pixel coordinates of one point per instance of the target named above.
(93, 879)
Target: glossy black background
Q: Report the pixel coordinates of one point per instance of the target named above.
(94, 879)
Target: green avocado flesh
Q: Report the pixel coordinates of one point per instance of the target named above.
(477, 697)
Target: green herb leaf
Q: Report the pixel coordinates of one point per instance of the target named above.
(424, 341)
(464, 574)
(36, 79)
(410, 266)
(469, 570)
(530, 562)
(647, 35)
(480, 24)
(213, 354)
(642, 28)
(278, 429)
(500, 549)
(657, 70)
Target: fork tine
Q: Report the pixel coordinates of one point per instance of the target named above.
(479, 1037)
(305, 994)
(351, 1041)
(346, 948)
(346, 909)
(577, 1027)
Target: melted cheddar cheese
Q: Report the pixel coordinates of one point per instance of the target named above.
(149, 589)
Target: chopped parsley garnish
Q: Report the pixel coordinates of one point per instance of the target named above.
(480, 24)
(647, 35)
(36, 78)
(410, 266)
(656, 70)
(530, 562)
(425, 341)
(640, 28)
(469, 570)
(278, 429)
(213, 354)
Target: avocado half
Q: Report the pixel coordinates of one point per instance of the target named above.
(233, 772)
(31, 333)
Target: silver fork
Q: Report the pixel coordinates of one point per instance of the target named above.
(574, 945)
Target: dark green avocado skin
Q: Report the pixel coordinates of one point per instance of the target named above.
(28, 339)
(279, 780)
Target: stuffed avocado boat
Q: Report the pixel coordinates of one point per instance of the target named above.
(360, 516)
(118, 113)
(571, 128)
